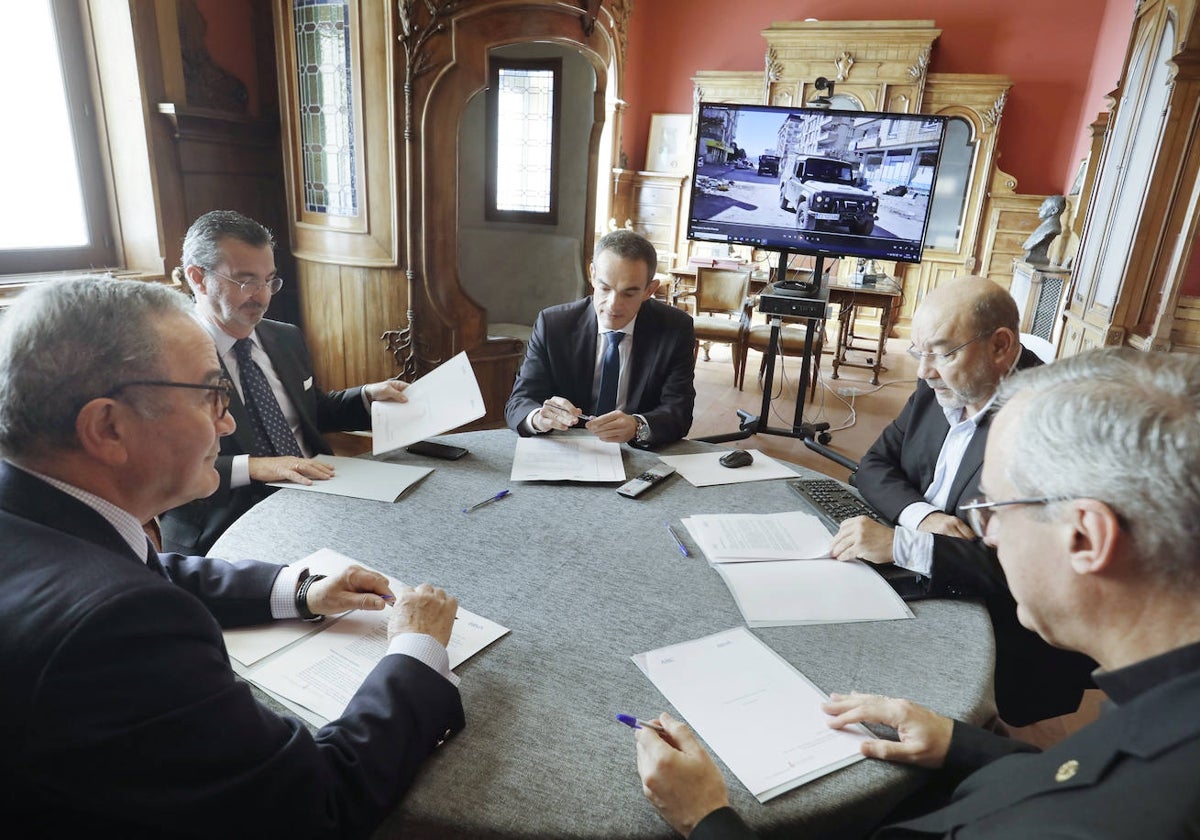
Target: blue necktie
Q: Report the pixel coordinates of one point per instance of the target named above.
(272, 434)
(610, 373)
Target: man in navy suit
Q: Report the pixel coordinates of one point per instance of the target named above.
(120, 714)
(927, 463)
(1098, 547)
(229, 265)
(624, 359)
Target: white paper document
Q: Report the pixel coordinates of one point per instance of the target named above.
(753, 709)
(782, 592)
(316, 668)
(743, 537)
(443, 399)
(360, 478)
(704, 469)
(567, 458)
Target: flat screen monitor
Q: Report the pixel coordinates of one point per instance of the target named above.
(814, 180)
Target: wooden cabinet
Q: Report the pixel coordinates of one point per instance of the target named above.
(652, 203)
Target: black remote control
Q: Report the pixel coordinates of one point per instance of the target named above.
(637, 486)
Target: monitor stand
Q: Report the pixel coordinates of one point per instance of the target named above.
(793, 298)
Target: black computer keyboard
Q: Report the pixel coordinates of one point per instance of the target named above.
(831, 502)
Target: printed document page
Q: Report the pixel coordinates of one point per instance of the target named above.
(753, 709)
(704, 469)
(742, 537)
(782, 592)
(360, 478)
(443, 399)
(566, 457)
(316, 668)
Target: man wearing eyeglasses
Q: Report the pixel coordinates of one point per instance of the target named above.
(281, 412)
(120, 713)
(927, 463)
(1090, 500)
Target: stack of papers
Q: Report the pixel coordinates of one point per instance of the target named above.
(741, 537)
(360, 478)
(754, 710)
(567, 457)
(314, 669)
(443, 399)
(778, 569)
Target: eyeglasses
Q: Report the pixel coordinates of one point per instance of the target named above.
(222, 391)
(979, 509)
(254, 286)
(937, 359)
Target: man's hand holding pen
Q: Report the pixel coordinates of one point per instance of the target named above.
(557, 413)
(354, 588)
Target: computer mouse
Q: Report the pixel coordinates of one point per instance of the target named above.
(737, 458)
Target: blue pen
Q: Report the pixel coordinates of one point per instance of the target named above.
(683, 549)
(638, 723)
(488, 501)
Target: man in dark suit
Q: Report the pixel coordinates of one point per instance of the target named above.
(927, 463)
(1099, 550)
(281, 412)
(619, 356)
(120, 712)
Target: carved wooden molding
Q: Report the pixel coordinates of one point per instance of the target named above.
(420, 21)
(991, 117)
(920, 68)
(843, 63)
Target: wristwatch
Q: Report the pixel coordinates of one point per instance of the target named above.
(643, 429)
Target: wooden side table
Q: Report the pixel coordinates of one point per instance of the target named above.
(849, 299)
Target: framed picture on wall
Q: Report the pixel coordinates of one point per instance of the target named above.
(670, 144)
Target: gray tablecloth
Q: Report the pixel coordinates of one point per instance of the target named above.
(585, 578)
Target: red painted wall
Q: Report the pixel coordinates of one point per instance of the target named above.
(229, 38)
(1062, 56)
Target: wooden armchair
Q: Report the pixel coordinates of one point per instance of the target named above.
(721, 311)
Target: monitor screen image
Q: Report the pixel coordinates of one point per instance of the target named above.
(815, 181)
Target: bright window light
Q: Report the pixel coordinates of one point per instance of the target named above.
(525, 140)
(43, 204)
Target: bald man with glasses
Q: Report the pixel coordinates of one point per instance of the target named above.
(281, 412)
(926, 464)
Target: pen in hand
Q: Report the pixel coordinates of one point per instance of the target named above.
(486, 501)
(683, 549)
(583, 418)
(638, 723)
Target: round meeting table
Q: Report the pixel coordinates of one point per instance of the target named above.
(584, 579)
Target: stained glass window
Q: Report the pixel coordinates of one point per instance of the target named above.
(523, 116)
(324, 85)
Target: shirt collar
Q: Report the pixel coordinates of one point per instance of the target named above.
(123, 522)
(627, 329)
(1126, 684)
(222, 340)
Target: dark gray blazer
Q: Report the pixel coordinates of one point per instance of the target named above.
(194, 527)
(561, 360)
(120, 713)
(1034, 681)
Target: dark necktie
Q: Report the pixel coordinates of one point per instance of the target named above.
(610, 373)
(272, 435)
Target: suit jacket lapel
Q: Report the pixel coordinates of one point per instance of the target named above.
(971, 464)
(243, 433)
(583, 355)
(645, 344)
